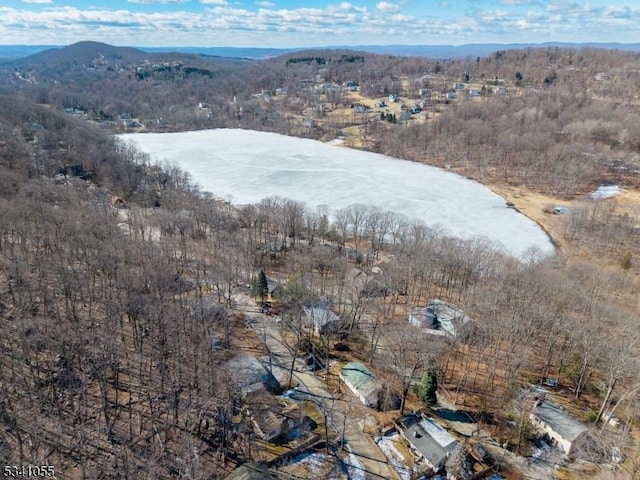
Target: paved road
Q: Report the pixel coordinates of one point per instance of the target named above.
(365, 458)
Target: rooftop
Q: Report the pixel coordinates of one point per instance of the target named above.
(250, 374)
(440, 316)
(321, 317)
(358, 278)
(364, 283)
(559, 420)
(272, 285)
(359, 377)
(265, 411)
(251, 471)
(427, 437)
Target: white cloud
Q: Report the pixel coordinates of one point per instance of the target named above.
(350, 7)
(613, 11)
(520, 2)
(340, 23)
(37, 1)
(563, 6)
(559, 20)
(387, 7)
(266, 4)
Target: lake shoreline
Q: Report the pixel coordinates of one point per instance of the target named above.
(246, 166)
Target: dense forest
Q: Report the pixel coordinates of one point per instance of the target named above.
(119, 277)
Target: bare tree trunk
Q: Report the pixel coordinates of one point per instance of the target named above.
(605, 402)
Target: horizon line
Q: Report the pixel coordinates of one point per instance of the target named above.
(549, 42)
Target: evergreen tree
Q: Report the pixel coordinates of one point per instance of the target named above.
(519, 79)
(259, 286)
(428, 386)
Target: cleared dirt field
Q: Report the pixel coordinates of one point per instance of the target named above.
(533, 205)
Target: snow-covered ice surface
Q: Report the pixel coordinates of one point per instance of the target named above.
(247, 166)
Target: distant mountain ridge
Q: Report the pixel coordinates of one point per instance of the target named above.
(483, 49)
(81, 51)
(251, 53)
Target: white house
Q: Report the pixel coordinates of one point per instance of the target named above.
(567, 432)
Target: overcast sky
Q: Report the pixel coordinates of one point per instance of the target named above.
(306, 23)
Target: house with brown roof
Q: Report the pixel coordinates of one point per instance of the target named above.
(272, 418)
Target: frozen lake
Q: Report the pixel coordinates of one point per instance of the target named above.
(246, 166)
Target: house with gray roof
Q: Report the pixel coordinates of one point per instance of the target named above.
(440, 318)
(365, 284)
(324, 321)
(566, 431)
(251, 375)
(251, 471)
(361, 381)
(427, 439)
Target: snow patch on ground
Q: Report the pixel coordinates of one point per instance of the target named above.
(355, 469)
(388, 445)
(246, 166)
(540, 452)
(606, 191)
(311, 460)
(290, 394)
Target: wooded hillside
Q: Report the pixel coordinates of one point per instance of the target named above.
(119, 280)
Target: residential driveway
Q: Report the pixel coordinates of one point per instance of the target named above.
(457, 419)
(540, 468)
(363, 458)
